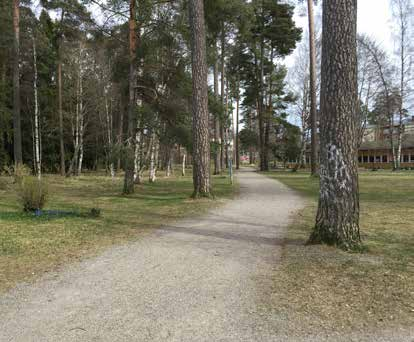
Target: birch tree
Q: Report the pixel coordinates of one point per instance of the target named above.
(312, 89)
(384, 72)
(37, 156)
(402, 11)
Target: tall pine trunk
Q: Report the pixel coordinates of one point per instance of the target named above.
(312, 90)
(17, 130)
(129, 153)
(201, 141)
(337, 220)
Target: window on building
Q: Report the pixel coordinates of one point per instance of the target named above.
(385, 159)
(365, 159)
(378, 159)
(359, 159)
(371, 159)
(412, 156)
(406, 158)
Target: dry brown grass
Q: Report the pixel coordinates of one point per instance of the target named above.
(30, 246)
(322, 288)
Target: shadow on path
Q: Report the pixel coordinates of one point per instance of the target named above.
(232, 236)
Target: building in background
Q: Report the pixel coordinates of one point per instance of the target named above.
(375, 150)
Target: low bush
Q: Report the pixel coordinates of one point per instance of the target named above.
(20, 171)
(33, 193)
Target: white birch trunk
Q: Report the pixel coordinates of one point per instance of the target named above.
(183, 165)
(81, 117)
(168, 168)
(81, 132)
(137, 157)
(36, 115)
(153, 160)
(109, 134)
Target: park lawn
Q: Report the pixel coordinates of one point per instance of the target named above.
(30, 246)
(330, 289)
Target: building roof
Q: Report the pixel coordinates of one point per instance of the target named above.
(407, 142)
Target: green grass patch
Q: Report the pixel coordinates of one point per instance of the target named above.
(31, 245)
(351, 291)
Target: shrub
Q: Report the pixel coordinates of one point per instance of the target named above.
(95, 212)
(20, 171)
(33, 193)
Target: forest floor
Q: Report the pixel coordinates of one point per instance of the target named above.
(326, 290)
(30, 245)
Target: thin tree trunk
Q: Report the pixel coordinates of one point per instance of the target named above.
(217, 139)
(226, 117)
(120, 132)
(222, 93)
(36, 114)
(168, 166)
(109, 134)
(201, 141)
(262, 142)
(81, 119)
(237, 126)
(312, 90)
(337, 220)
(137, 157)
(268, 118)
(75, 158)
(17, 130)
(392, 142)
(403, 71)
(129, 159)
(153, 159)
(60, 109)
(183, 165)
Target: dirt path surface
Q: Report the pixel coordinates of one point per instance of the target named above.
(207, 279)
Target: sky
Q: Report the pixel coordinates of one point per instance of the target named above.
(374, 20)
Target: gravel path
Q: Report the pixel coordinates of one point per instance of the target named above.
(206, 279)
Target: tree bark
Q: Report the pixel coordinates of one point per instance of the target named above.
(183, 165)
(312, 90)
(217, 139)
(337, 220)
(108, 116)
(129, 154)
(222, 93)
(153, 160)
(201, 141)
(120, 131)
(262, 142)
(37, 158)
(60, 109)
(17, 130)
(237, 126)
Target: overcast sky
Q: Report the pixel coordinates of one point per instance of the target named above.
(374, 19)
